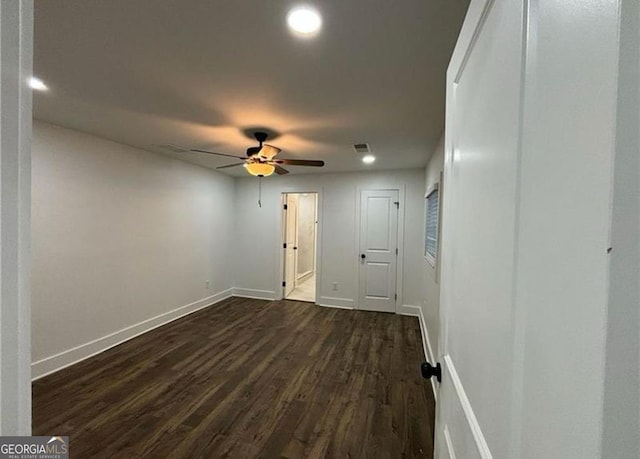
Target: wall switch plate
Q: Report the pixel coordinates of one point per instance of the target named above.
(207, 284)
(335, 286)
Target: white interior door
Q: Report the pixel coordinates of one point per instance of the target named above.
(291, 217)
(378, 250)
(530, 127)
(479, 224)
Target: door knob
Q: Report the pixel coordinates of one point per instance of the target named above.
(363, 256)
(429, 370)
(295, 248)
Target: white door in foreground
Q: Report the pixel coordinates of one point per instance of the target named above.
(530, 140)
(478, 236)
(378, 250)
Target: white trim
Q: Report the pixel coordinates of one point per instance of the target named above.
(280, 274)
(468, 37)
(409, 310)
(82, 352)
(416, 311)
(348, 308)
(255, 294)
(16, 58)
(481, 442)
(434, 187)
(332, 302)
(449, 443)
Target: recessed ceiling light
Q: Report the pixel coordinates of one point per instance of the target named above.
(304, 20)
(37, 84)
(368, 159)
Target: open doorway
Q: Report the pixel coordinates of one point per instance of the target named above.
(300, 220)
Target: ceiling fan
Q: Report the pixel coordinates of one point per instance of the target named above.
(261, 161)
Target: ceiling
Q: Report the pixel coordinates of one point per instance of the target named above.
(201, 73)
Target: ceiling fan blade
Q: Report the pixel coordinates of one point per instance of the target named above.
(299, 162)
(268, 151)
(280, 170)
(214, 153)
(231, 165)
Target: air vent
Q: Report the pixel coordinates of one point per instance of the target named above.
(361, 148)
(171, 147)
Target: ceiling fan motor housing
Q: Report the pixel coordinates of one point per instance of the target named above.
(261, 136)
(253, 150)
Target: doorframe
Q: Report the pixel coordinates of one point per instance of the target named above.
(279, 289)
(401, 189)
(285, 198)
(16, 42)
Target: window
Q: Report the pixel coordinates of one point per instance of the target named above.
(431, 225)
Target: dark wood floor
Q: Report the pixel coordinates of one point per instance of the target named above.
(249, 378)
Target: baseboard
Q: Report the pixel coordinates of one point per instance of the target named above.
(74, 355)
(416, 311)
(474, 425)
(304, 276)
(340, 303)
(408, 310)
(254, 294)
(449, 444)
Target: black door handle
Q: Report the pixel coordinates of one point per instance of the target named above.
(295, 248)
(363, 256)
(429, 370)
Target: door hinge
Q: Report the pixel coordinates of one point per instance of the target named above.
(285, 207)
(284, 246)
(396, 252)
(284, 284)
(397, 203)
(395, 296)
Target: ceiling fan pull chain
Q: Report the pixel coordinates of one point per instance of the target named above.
(260, 191)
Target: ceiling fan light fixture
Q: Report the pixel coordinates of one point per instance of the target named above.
(260, 169)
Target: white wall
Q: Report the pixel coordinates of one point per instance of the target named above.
(431, 286)
(564, 229)
(120, 236)
(124, 240)
(16, 40)
(258, 232)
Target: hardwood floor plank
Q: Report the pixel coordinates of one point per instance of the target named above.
(249, 379)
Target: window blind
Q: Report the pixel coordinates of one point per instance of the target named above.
(431, 225)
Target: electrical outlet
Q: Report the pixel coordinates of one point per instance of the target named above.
(207, 284)
(335, 286)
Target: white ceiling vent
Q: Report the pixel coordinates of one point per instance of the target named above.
(362, 148)
(170, 147)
